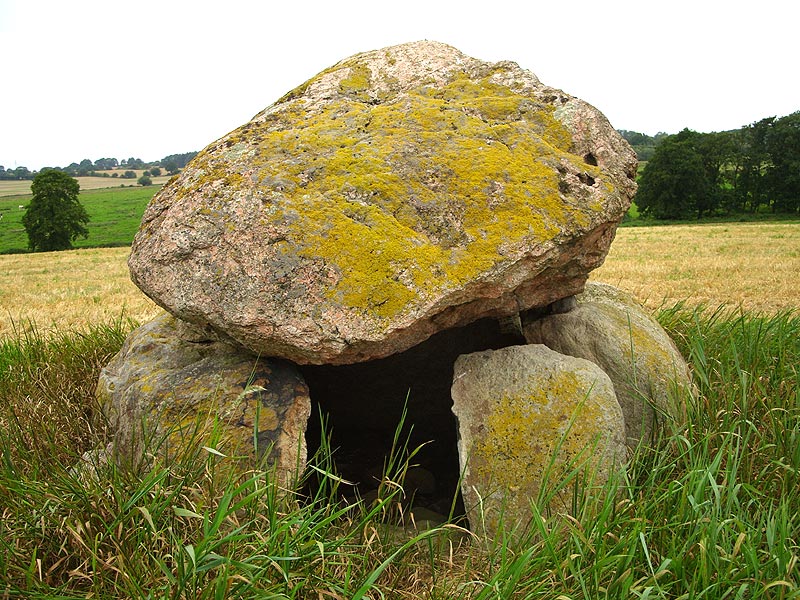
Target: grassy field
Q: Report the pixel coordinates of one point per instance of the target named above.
(709, 510)
(114, 213)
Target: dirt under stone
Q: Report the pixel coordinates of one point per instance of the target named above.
(363, 403)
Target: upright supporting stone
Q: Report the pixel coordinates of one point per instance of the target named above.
(651, 378)
(528, 418)
(165, 388)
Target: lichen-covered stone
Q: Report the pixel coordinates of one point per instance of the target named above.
(527, 418)
(398, 193)
(168, 386)
(609, 328)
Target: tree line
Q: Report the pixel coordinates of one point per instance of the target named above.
(171, 164)
(644, 145)
(748, 170)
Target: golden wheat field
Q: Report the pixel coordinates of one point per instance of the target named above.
(755, 266)
(68, 290)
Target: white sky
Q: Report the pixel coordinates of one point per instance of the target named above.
(148, 78)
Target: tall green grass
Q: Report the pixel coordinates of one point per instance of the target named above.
(708, 511)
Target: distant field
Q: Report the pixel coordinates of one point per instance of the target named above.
(22, 188)
(755, 265)
(68, 289)
(739, 264)
(115, 215)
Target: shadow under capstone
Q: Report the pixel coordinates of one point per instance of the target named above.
(362, 405)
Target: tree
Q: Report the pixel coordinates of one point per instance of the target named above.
(86, 167)
(675, 184)
(105, 164)
(783, 171)
(133, 163)
(144, 180)
(55, 218)
(175, 162)
(751, 187)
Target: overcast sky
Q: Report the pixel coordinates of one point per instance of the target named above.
(148, 78)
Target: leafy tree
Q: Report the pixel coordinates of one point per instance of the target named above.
(85, 167)
(751, 186)
(133, 163)
(55, 218)
(675, 184)
(782, 144)
(105, 164)
(644, 145)
(129, 175)
(175, 162)
(18, 173)
(144, 180)
(155, 172)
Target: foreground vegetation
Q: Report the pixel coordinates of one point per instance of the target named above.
(710, 510)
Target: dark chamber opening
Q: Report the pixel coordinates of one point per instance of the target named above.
(362, 405)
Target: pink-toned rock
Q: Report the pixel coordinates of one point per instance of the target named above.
(398, 193)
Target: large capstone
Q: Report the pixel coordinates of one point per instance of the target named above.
(398, 193)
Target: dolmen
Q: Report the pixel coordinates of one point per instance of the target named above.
(397, 198)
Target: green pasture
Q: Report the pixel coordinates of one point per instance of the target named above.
(115, 215)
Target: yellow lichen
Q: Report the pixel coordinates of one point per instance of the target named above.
(525, 431)
(423, 190)
(357, 81)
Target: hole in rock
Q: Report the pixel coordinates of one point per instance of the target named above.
(590, 159)
(362, 405)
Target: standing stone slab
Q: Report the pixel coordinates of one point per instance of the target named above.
(398, 193)
(609, 328)
(527, 416)
(169, 381)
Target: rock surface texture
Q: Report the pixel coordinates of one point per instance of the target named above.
(169, 381)
(398, 193)
(609, 328)
(527, 416)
